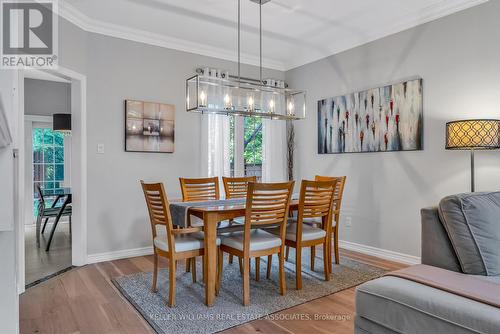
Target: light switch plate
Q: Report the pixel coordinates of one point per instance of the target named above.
(100, 148)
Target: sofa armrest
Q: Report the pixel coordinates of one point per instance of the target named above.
(437, 249)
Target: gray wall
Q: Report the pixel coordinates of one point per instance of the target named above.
(46, 98)
(116, 70)
(458, 59)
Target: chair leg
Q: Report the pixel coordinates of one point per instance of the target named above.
(241, 266)
(70, 225)
(257, 269)
(188, 265)
(336, 245)
(171, 287)
(313, 256)
(220, 266)
(282, 272)
(193, 269)
(44, 225)
(298, 267)
(230, 258)
(287, 252)
(37, 224)
(204, 269)
(326, 262)
(52, 234)
(246, 281)
(155, 272)
(269, 263)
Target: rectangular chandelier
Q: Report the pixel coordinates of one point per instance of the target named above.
(226, 95)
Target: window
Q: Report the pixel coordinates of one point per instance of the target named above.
(246, 146)
(48, 161)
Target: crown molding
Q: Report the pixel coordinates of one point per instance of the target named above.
(86, 23)
(411, 20)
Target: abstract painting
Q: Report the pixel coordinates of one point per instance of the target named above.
(149, 127)
(388, 118)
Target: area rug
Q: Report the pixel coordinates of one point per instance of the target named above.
(190, 315)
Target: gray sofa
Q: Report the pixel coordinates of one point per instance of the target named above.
(462, 234)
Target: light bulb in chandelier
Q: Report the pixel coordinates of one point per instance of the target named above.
(291, 108)
(271, 106)
(250, 103)
(227, 101)
(203, 99)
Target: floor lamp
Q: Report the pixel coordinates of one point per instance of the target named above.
(471, 135)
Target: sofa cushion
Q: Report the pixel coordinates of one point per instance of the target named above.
(405, 306)
(472, 222)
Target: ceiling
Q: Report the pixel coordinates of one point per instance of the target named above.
(295, 32)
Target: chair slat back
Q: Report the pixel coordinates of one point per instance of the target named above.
(237, 187)
(267, 203)
(158, 208)
(316, 199)
(199, 190)
(339, 189)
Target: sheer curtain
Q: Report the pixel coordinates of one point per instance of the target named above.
(273, 150)
(215, 145)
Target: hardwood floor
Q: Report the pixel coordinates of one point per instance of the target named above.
(84, 300)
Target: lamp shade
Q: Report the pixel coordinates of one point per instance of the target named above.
(61, 122)
(477, 134)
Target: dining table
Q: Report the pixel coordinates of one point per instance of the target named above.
(212, 213)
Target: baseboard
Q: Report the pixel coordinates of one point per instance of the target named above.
(379, 252)
(369, 250)
(121, 254)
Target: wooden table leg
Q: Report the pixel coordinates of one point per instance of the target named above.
(210, 223)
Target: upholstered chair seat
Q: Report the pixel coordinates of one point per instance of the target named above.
(311, 221)
(308, 232)
(259, 240)
(183, 242)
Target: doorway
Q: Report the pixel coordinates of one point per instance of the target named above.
(52, 170)
(47, 230)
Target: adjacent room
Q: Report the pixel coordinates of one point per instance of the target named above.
(250, 166)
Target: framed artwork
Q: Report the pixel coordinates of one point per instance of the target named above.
(149, 127)
(388, 118)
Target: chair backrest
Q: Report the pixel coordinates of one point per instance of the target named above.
(339, 191)
(199, 190)
(316, 201)
(159, 211)
(267, 204)
(237, 187)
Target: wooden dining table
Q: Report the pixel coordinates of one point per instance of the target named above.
(211, 216)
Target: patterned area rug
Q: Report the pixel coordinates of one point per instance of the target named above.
(190, 315)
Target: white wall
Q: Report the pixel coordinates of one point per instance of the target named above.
(458, 59)
(9, 309)
(116, 70)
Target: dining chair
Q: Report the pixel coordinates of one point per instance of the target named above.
(46, 212)
(267, 205)
(337, 203)
(198, 190)
(315, 204)
(237, 187)
(173, 244)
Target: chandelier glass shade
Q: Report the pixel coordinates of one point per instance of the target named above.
(220, 94)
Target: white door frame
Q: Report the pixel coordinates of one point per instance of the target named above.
(78, 165)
